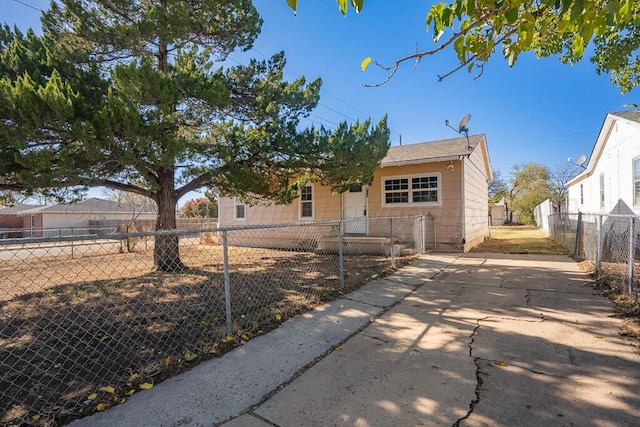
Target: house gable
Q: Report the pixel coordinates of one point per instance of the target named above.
(607, 183)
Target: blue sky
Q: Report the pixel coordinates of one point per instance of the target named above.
(538, 111)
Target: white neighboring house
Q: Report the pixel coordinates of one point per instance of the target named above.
(78, 214)
(610, 184)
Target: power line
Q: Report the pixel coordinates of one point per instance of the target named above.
(28, 5)
(324, 91)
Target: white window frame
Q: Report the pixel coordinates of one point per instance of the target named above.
(410, 202)
(237, 203)
(635, 177)
(303, 202)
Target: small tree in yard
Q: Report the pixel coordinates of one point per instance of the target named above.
(202, 207)
(528, 187)
(125, 94)
(559, 175)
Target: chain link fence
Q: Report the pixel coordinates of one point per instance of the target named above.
(87, 322)
(610, 243)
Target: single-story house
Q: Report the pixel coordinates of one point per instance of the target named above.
(9, 219)
(610, 183)
(445, 180)
(80, 215)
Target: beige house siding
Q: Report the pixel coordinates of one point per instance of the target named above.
(476, 216)
(462, 193)
(326, 206)
(447, 213)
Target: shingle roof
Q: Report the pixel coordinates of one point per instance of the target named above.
(92, 205)
(632, 115)
(14, 209)
(426, 152)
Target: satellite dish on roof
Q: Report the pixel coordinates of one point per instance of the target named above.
(462, 127)
(580, 161)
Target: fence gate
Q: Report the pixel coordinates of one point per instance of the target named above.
(429, 232)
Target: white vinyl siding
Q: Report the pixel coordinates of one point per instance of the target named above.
(419, 190)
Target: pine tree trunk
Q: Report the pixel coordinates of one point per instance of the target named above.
(166, 253)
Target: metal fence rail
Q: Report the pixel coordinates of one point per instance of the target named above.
(610, 243)
(86, 323)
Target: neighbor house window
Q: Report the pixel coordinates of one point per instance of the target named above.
(306, 202)
(581, 194)
(636, 182)
(240, 209)
(410, 190)
(602, 190)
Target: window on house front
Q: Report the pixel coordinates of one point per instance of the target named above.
(602, 191)
(423, 189)
(636, 182)
(581, 194)
(241, 209)
(306, 202)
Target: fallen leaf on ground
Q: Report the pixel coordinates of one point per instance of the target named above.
(108, 389)
(101, 407)
(92, 396)
(190, 356)
(146, 386)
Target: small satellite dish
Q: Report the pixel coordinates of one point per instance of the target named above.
(581, 159)
(462, 127)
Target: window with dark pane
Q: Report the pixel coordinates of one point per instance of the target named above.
(425, 189)
(396, 190)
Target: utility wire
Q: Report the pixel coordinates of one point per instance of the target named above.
(28, 5)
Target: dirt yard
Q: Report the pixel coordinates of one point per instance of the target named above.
(79, 335)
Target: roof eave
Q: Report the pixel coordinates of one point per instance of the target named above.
(421, 161)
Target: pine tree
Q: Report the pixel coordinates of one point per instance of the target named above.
(133, 96)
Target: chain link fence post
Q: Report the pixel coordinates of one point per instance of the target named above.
(599, 245)
(341, 252)
(227, 284)
(393, 245)
(422, 241)
(578, 235)
(632, 246)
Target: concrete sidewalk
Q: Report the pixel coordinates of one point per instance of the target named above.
(475, 340)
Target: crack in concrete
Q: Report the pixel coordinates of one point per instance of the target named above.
(533, 371)
(479, 381)
(527, 297)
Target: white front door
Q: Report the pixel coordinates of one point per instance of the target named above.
(355, 210)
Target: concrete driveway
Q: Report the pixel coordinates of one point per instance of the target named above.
(453, 340)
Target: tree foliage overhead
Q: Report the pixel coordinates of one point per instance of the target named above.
(477, 29)
(134, 96)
